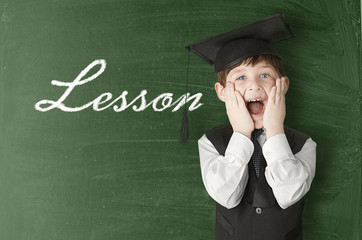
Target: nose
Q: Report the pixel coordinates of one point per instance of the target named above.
(254, 85)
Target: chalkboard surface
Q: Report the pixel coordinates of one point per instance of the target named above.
(91, 103)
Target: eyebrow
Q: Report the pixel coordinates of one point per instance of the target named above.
(266, 66)
(244, 69)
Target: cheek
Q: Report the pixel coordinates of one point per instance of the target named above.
(239, 86)
(229, 78)
(268, 86)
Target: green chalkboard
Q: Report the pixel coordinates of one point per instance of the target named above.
(91, 103)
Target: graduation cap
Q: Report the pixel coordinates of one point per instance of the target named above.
(230, 48)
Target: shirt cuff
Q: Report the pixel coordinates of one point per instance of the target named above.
(240, 146)
(277, 148)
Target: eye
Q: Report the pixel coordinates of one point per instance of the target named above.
(264, 75)
(241, 78)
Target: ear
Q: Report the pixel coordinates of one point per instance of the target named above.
(287, 84)
(220, 91)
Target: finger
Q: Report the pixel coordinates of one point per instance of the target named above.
(227, 98)
(278, 90)
(227, 91)
(232, 97)
(282, 89)
(271, 99)
(240, 99)
(285, 85)
(282, 85)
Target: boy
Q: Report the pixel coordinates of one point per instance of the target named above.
(257, 170)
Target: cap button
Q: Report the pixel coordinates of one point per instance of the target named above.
(258, 210)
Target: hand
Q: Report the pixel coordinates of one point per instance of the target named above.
(237, 111)
(274, 113)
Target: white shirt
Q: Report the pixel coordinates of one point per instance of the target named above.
(225, 177)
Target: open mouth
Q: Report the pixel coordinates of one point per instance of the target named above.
(255, 106)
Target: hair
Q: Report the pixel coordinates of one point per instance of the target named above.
(272, 60)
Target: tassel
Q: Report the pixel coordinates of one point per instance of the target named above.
(185, 121)
(184, 127)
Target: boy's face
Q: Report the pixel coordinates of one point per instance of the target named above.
(254, 83)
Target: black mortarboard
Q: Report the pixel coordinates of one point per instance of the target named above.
(230, 48)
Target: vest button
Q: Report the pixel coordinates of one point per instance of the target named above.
(258, 210)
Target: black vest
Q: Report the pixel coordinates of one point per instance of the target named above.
(258, 216)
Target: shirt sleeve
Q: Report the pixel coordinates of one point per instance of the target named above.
(290, 176)
(225, 177)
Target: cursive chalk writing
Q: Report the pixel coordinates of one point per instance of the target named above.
(120, 103)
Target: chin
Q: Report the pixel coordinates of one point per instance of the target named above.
(258, 122)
